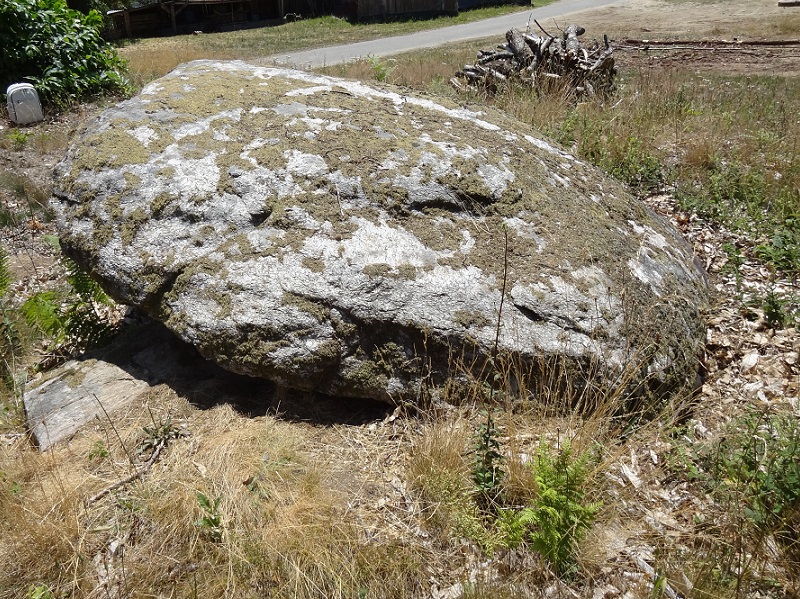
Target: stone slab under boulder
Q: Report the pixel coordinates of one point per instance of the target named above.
(352, 239)
(120, 376)
(108, 379)
(77, 393)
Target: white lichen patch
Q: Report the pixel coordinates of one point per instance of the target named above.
(496, 178)
(543, 145)
(564, 181)
(323, 84)
(185, 181)
(151, 89)
(203, 125)
(380, 243)
(647, 269)
(649, 235)
(468, 242)
(309, 165)
(526, 230)
(144, 135)
(262, 183)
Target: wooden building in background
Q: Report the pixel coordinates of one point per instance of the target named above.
(171, 17)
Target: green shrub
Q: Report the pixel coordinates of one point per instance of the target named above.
(559, 517)
(752, 472)
(629, 160)
(58, 50)
(783, 249)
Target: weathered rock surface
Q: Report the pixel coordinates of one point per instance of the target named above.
(346, 238)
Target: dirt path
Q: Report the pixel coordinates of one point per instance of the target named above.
(738, 20)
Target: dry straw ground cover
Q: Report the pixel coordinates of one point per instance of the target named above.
(700, 498)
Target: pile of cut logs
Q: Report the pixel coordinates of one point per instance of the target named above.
(544, 62)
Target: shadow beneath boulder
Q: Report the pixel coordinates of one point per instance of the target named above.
(155, 354)
(147, 355)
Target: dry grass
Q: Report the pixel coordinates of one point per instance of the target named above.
(284, 515)
(305, 511)
(375, 510)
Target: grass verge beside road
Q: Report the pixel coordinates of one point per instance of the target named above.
(153, 57)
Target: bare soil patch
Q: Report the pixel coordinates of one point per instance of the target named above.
(700, 24)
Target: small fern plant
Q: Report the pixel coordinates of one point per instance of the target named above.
(559, 517)
(73, 319)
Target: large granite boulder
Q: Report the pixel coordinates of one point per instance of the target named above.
(348, 238)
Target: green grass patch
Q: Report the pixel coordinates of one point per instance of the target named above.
(752, 473)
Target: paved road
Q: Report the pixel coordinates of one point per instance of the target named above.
(496, 26)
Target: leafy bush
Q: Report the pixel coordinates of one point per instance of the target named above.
(58, 50)
(752, 472)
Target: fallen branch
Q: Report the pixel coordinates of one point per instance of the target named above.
(136, 475)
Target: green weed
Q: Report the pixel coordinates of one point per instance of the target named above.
(40, 591)
(159, 432)
(98, 451)
(783, 249)
(210, 522)
(627, 159)
(487, 472)
(381, 69)
(777, 313)
(18, 139)
(752, 471)
(550, 516)
(735, 262)
(759, 460)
